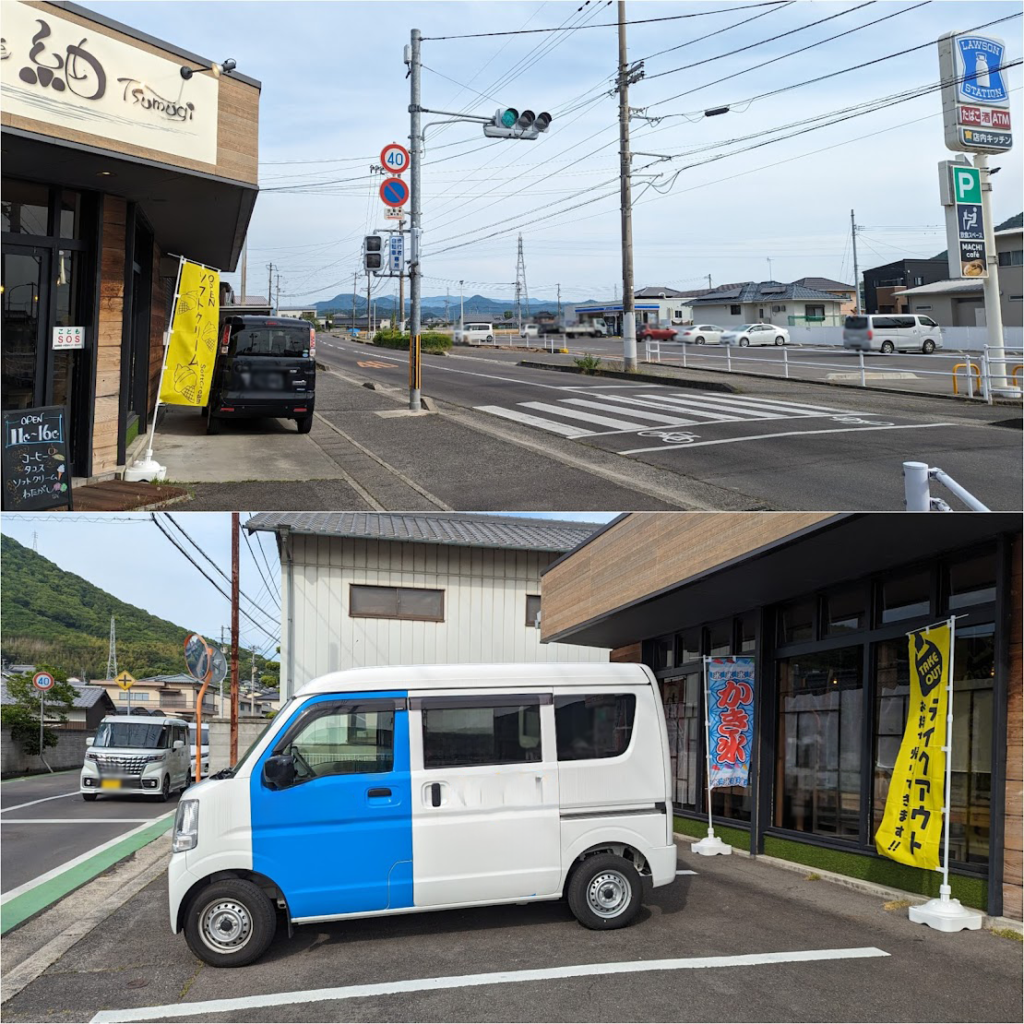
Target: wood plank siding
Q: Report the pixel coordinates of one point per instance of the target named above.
(108, 337)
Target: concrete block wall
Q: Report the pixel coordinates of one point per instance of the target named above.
(249, 727)
(69, 753)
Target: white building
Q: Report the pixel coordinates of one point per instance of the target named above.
(365, 589)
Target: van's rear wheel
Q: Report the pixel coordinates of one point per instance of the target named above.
(212, 424)
(888, 348)
(230, 923)
(928, 347)
(605, 892)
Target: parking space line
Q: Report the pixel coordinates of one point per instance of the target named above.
(388, 988)
(32, 803)
(77, 821)
(788, 433)
(682, 872)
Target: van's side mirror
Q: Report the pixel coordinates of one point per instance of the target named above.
(90, 740)
(178, 744)
(279, 771)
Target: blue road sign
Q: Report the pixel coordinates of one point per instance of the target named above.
(970, 221)
(394, 192)
(396, 254)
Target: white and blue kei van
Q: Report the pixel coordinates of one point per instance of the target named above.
(398, 790)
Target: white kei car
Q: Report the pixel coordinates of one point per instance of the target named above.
(756, 334)
(700, 334)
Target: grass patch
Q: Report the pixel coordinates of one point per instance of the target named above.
(1008, 933)
(587, 363)
(430, 341)
(896, 905)
(812, 877)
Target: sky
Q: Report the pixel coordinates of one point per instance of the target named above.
(127, 555)
(334, 92)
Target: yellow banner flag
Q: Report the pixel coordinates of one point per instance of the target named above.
(192, 349)
(911, 828)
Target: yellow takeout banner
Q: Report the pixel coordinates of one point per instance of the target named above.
(911, 828)
(192, 349)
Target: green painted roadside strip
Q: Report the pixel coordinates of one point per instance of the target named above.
(38, 775)
(22, 907)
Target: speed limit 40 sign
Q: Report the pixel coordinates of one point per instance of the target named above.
(394, 158)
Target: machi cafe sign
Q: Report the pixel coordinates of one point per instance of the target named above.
(67, 75)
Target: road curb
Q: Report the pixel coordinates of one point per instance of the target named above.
(19, 909)
(645, 378)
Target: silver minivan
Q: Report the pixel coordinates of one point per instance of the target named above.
(137, 754)
(471, 334)
(892, 332)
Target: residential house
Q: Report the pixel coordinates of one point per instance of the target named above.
(171, 695)
(91, 706)
(846, 292)
(360, 589)
(823, 605)
(882, 284)
(768, 302)
(960, 302)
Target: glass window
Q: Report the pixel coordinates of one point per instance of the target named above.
(735, 310)
(796, 622)
(132, 734)
(682, 697)
(746, 626)
(972, 582)
(457, 737)
(971, 782)
(819, 743)
(396, 603)
(25, 207)
(344, 742)
(285, 341)
(70, 214)
(720, 638)
(691, 645)
(664, 652)
(593, 725)
(844, 612)
(532, 609)
(905, 597)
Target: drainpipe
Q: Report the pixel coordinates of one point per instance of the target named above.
(289, 596)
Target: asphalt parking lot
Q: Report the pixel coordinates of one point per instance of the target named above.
(738, 940)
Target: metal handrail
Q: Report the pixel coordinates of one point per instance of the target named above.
(917, 477)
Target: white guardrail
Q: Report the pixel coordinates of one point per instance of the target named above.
(983, 377)
(917, 478)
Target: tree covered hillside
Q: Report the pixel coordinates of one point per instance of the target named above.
(56, 618)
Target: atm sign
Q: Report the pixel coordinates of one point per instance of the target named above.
(985, 117)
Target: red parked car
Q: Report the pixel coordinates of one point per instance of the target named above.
(649, 333)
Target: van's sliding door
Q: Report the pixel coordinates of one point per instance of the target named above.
(485, 798)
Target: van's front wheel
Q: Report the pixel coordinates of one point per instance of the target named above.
(230, 923)
(605, 892)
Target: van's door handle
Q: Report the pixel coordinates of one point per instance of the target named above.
(435, 794)
(378, 792)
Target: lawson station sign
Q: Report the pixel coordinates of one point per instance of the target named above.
(975, 95)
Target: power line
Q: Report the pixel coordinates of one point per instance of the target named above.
(252, 554)
(608, 24)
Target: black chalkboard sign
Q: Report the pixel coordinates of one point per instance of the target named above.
(36, 470)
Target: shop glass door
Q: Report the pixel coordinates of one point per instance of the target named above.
(25, 273)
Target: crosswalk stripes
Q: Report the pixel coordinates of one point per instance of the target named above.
(585, 416)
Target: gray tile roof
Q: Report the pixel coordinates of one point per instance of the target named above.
(658, 293)
(459, 529)
(763, 291)
(824, 284)
(87, 697)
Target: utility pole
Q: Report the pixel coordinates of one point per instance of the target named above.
(769, 259)
(999, 382)
(625, 76)
(277, 299)
(270, 283)
(234, 638)
(369, 326)
(856, 271)
(559, 304)
(462, 306)
(447, 296)
(521, 290)
(355, 278)
(710, 286)
(401, 283)
(245, 264)
(415, 216)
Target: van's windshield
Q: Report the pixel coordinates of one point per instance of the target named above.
(857, 323)
(192, 734)
(271, 340)
(132, 734)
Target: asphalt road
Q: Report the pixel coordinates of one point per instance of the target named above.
(772, 444)
(45, 823)
(860, 962)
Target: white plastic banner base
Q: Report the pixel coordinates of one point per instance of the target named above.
(711, 845)
(145, 469)
(946, 915)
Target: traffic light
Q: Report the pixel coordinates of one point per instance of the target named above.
(509, 123)
(373, 252)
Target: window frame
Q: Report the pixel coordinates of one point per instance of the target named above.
(533, 597)
(614, 695)
(398, 617)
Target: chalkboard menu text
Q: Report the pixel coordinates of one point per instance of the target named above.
(36, 470)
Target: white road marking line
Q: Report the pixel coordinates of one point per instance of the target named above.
(565, 429)
(788, 433)
(724, 411)
(686, 872)
(78, 821)
(633, 411)
(75, 861)
(779, 405)
(588, 417)
(32, 803)
(387, 988)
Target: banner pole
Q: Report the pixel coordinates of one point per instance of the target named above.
(944, 890)
(710, 844)
(148, 468)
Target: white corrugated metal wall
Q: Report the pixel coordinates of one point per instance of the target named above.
(484, 607)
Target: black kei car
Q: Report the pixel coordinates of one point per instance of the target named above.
(266, 367)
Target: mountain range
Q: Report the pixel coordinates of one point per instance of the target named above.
(434, 305)
(53, 617)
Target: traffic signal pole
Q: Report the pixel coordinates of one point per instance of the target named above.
(415, 214)
(626, 203)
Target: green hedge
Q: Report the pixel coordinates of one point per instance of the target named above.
(431, 341)
(972, 892)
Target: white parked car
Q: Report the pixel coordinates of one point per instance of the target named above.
(137, 754)
(756, 334)
(701, 334)
(474, 333)
(890, 333)
(529, 331)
